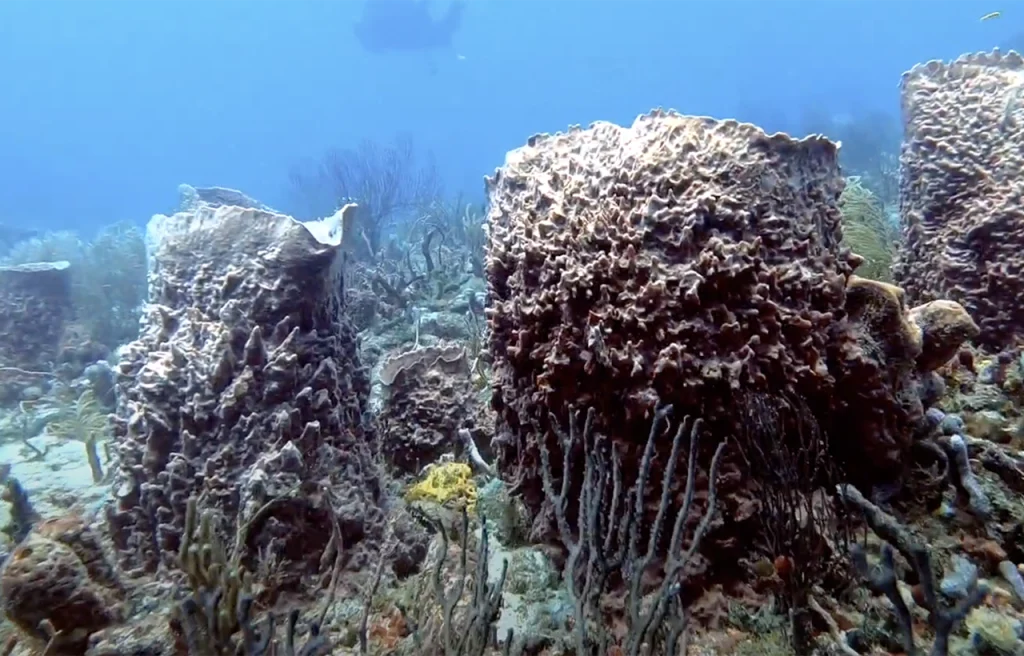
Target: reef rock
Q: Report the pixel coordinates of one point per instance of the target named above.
(694, 262)
(35, 303)
(962, 167)
(243, 390)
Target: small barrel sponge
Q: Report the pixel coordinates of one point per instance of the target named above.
(427, 397)
(35, 302)
(962, 179)
(73, 532)
(66, 585)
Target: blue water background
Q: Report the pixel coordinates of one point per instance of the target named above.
(106, 106)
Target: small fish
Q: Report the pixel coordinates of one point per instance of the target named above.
(990, 16)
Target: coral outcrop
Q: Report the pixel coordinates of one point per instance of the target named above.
(698, 263)
(35, 304)
(245, 392)
(961, 162)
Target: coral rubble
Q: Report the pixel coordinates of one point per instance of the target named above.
(245, 391)
(960, 190)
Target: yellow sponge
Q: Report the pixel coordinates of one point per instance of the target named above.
(447, 484)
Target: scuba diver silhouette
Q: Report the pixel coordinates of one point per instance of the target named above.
(406, 26)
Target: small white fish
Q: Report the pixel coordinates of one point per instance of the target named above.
(990, 16)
